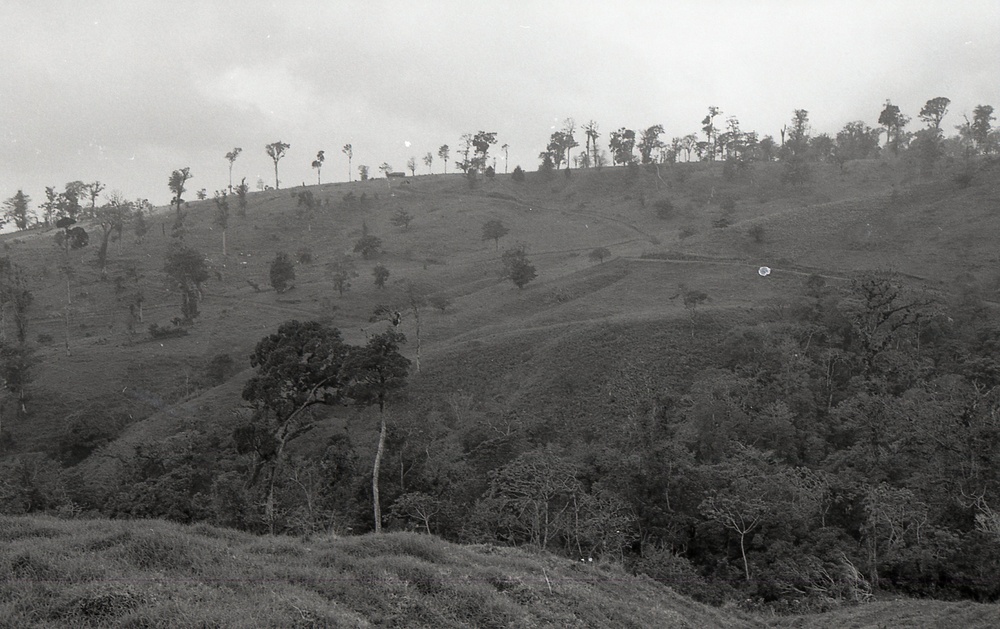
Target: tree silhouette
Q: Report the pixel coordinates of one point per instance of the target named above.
(16, 210)
(231, 156)
(276, 150)
(318, 165)
(348, 150)
(176, 184)
(494, 230)
(443, 153)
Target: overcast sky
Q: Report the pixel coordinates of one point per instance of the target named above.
(125, 92)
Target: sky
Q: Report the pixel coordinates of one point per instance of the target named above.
(126, 92)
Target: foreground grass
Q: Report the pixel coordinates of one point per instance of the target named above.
(56, 573)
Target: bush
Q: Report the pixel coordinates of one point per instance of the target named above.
(157, 332)
(728, 204)
(518, 174)
(490, 172)
(664, 208)
(368, 246)
(282, 272)
(44, 339)
(600, 254)
(304, 255)
(219, 369)
(756, 233)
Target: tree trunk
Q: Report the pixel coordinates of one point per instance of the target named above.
(375, 471)
(224, 242)
(276, 186)
(743, 551)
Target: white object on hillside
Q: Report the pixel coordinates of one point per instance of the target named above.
(764, 271)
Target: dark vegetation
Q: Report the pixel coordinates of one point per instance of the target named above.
(820, 436)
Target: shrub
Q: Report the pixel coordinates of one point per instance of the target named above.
(44, 339)
(518, 174)
(304, 255)
(490, 172)
(282, 272)
(381, 275)
(157, 332)
(401, 218)
(219, 369)
(368, 246)
(728, 204)
(664, 208)
(600, 254)
(686, 232)
(756, 233)
(517, 268)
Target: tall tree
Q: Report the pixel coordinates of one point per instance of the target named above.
(708, 126)
(276, 150)
(569, 141)
(348, 150)
(222, 215)
(482, 141)
(649, 141)
(231, 157)
(443, 153)
(505, 147)
(111, 217)
(798, 134)
(591, 131)
(16, 210)
(241, 197)
(373, 373)
(622, 143)
(857, 141)
(94, 190)
(411, 165)
(176, 184)
(934, 110)
(298, 367)
(318, 165)
(428, 161)
(893, 120)
(982, 125)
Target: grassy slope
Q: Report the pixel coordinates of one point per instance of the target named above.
(158, 574)
(150, 573)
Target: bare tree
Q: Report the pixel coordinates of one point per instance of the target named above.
(348, 150)
(231, 156)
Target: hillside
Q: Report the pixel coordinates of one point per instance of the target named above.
(653, 379)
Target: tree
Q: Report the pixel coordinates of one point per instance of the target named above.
(856, 141)
(231, 157)
(342, 270)
(934, 110)
(241, 197)
(482, 142)
(428, 160)
(649, 141)
(401, 218)
(591, 132)
(348, 150)
(93, 190)
(176, 184)
(385, 168)
(411, 165)
(893, 120)
(15, 371)
(708, 126)
(188, 270)
(222, 214)
(373, 373)
(276, 150)
(798, 134)
(16, 210)
(139, 226)
(282, 272)
(111, 217)
(982, 125)
(516, 267)
(494, 230)
(14, 298)
(505, 147)
(622, 143)
(381, 274)
(443, 153)
(363, 172)
(298, 367)
(318, 165)
(368, 246)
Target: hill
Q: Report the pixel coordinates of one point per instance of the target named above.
(650, 372)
